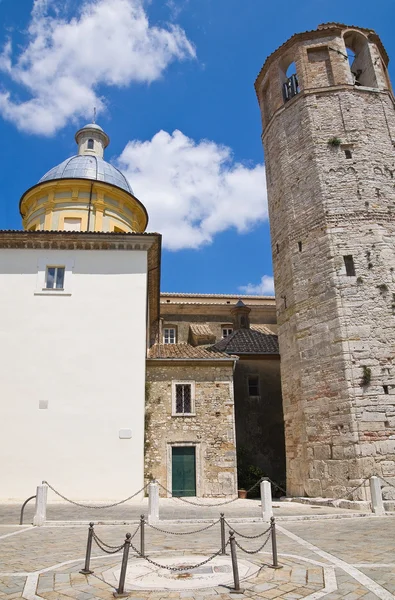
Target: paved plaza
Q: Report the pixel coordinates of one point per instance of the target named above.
(324, 553)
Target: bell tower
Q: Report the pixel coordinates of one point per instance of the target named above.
(328, 123)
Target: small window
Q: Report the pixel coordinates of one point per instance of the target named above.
(385, 388)
(300, 246)
(90, 144)
(253, 386)
(169, 335)
(277, 248)
(348, 153)
(72, 224)
(226, 331)
(183, 401)
(349, 264)
(54, 279)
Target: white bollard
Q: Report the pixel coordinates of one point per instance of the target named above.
(153, 502)
(266, 500)
(40, 515)
(377, 497)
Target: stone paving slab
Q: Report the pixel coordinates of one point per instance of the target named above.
(291, 582)
(348, 550)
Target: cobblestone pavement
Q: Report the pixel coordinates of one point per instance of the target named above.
(170, 509)
(345, 559)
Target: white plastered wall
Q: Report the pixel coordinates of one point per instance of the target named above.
(83, 353)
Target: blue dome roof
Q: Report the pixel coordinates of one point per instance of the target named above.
(88, 167)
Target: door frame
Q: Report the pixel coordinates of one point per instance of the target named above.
(170, 446)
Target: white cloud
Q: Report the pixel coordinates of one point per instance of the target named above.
(264, 288)
(109, 42)
(193, 190)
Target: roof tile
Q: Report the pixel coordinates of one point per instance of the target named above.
(248, 341)
(184, 350)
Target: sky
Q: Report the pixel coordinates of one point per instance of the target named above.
(173, 84)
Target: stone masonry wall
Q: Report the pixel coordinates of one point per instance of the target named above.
(260, 420)
(212, 430)
(336, 331)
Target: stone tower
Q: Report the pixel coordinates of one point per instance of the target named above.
(329, 134)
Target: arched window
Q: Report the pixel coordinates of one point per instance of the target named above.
(290, 81)
(360, 59)
(90, 144)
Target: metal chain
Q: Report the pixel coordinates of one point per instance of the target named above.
(108, 551)
(356, 488)
(103, 580)
(183, 532)
(98, 540)
(93, 505)
(274, 484)
(178, 569)
(253, 551)
(206, 505)
(387, 482)
(248, 537)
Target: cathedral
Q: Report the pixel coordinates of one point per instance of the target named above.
(108, 383)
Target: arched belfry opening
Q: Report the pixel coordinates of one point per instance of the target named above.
(289, 79)
(360, 59)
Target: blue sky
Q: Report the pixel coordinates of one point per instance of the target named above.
(173, 83)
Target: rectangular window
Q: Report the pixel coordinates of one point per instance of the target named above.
(226, 331)
(253, 385)
(183, 399)
(169, 335)
(349, 264)
(54, 279)
(71, 224)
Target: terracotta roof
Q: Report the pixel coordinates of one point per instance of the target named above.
(262, 329)
(185, 351)
(201, 329)
(248, 341)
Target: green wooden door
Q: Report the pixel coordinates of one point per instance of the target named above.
(183, 471)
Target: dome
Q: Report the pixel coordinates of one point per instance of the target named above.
(88, 167)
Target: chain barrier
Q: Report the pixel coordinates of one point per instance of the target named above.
(113, 549)
(247, 537)
(386, 482)
(178, 569)
(356, 488)
(206, 505)
(94, 505)
(103, 580)
(103, 549)
(274, 484)
(183, 532)
(253, 551)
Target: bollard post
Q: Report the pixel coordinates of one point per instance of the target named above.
(120, 592)
(142, 523)
(266, 499)
(40, 515)
(222, 522)
(86, 570)
(377, 497)
(153, 502)
(236, 579)
(275, 564)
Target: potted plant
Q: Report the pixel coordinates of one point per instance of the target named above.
(242, 493)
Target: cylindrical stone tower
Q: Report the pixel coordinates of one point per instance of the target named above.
(329, 135)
